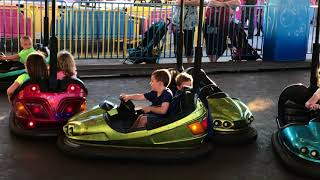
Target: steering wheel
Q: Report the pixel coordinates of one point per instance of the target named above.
(3, 62)
(314, 113)
(2, 54)
(208, 90)
(128, 105)
(106, 105)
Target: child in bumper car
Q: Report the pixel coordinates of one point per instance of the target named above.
(37, 70)
(160, 96)
(66, 65)
(22, 56)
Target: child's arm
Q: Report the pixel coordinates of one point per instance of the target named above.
(12, 57)
(127, 97)
(157, 110)
(11, 89)
(313, 100)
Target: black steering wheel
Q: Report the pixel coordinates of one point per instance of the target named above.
(128, 105)
(3, 62)
(315, 114)
(208, 90)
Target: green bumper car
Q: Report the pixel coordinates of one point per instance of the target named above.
(9, 71)
(104, 131)
(231, 118)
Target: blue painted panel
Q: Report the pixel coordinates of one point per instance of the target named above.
(93, 28)
(287, 29)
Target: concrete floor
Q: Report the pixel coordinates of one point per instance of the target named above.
(31, 159)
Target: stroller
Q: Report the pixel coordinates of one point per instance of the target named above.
(240, 47)
(149, 49)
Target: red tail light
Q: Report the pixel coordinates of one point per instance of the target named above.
(70, 108)
(73, 88)
(33, 88)
(31, 124)
(204, 123)
(37, 110)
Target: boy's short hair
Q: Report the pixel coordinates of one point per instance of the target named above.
(162, 75)
(28, 38)
(183, 77)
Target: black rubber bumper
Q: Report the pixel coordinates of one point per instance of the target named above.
(293, 162)
(31, 133)
(94, 150)
(235, 137)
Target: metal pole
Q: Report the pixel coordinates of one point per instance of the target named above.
(315, 56)
(180, 40)
(53, 50)
(198, 55)
(46, 24)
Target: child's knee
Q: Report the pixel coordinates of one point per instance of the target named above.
(143, 120)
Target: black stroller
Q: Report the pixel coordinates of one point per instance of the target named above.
(149, 50)
(240, 47)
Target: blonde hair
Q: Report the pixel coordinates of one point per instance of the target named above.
(66, 63)
(183, 77)
(26, 38)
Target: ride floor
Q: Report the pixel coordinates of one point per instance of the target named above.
(36, 159)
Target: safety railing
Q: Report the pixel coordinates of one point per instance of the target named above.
(116, 30)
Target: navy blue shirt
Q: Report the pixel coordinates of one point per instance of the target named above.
(166, 96)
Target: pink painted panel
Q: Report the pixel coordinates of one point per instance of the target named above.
(9, 23)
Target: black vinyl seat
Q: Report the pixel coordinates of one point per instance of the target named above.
(181, 106)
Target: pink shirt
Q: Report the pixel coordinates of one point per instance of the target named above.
(61, 75)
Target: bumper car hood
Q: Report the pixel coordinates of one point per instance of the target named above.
(229, 109)
(89, 125)
(303, 140)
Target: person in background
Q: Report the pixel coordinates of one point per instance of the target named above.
(217, 19)
(260, 14)
(248, 13)
(190, 21)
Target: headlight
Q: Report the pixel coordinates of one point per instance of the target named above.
(217, 123)
(304, 150)
(226, 124)
(251, 118)
(314, 153)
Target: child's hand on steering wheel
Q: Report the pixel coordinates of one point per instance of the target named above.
(124, 97)
(315, 107)
(2, 57)
(146, 109)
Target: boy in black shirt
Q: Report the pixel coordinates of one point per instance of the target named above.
(160, 97)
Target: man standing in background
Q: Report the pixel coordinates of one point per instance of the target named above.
(248, 13)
